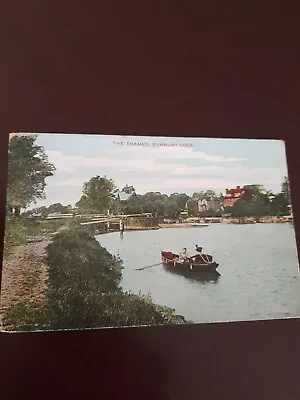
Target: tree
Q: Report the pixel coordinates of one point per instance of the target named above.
(254, 189)
(209, 193)
(285, 189)
(241, 208)
(133, 205)
(279, 204)
(202, 194)
(192, 207)
(172, 210)
(98, 195)
(198, 195)
(260, 205)
(257, 206)
(128, 189)
(59, 208)
(180, 199)
(28, 168)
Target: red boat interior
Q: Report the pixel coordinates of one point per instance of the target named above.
(168, 255)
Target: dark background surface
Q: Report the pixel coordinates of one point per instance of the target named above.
(219, 69)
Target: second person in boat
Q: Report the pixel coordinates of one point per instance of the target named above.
(198, 258)
(183, 256)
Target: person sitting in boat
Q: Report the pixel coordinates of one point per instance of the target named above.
(198, 258)
(198, 249)
(183, 256)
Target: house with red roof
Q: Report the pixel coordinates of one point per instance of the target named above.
(232, 195)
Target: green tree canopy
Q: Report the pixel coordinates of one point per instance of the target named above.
(204, 193)
(180, 200)
(262, 203)
(97, 195)
(128, 189)
(59, 208)
(172, 210)
(280, 205)
(28, 168)
(209, 193)
(255, 189)
(192, 207)
(285, 189)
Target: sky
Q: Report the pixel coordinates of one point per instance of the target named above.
(161, 164)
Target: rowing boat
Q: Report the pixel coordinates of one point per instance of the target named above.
(206, 265)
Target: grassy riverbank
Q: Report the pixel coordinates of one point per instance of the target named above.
(62, 278)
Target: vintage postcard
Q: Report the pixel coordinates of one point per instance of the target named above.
(110, 231)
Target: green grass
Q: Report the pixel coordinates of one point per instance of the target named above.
(18, 230)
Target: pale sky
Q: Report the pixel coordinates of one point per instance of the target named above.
(214, 164)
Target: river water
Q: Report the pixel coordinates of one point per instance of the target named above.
(258, 265)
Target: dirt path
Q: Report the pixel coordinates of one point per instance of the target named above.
(24, 272)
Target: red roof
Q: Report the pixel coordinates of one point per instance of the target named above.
(236, 192)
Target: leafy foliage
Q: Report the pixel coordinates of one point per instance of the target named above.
(262, 202)
(259, 202)
(280, 204)
(204, 193)
(98, 195)
(128, 189)
(192, 207)
(28, 167)
(59, 208)
(285, 190)
(153, 202)
(255, 189)
(26, 316)
(53, 208)
(69, 260)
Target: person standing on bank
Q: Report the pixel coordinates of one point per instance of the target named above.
(121, 228)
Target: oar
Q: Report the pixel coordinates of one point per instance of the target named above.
(153, 265)
(149, 266)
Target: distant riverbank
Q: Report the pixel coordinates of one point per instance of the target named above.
(199, 222)
(226, 220)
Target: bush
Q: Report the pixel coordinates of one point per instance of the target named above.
(83, 291)
(113, 309)
(26, 316)
(79, 264)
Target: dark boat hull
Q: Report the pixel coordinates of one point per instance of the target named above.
(191, 267)
(208, 276)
